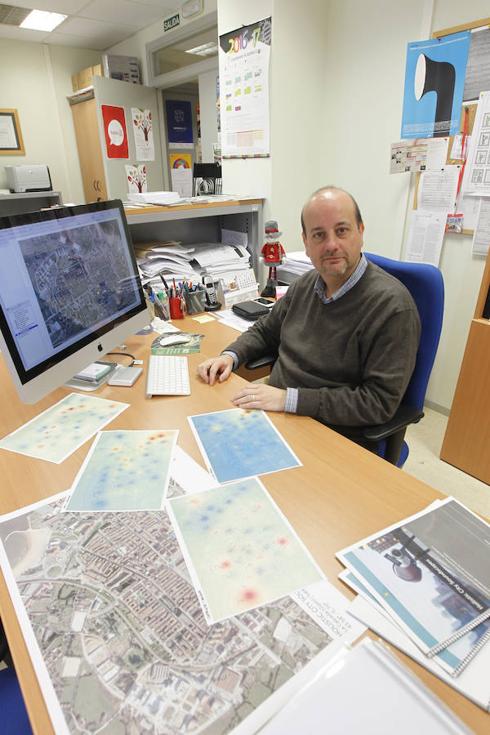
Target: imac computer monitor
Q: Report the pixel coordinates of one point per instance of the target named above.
(69, 292)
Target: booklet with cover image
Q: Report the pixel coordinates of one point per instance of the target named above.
(431, 573)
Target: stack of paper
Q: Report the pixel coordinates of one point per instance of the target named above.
(216, 258)
(171, 259)
(155, 197)
(293, 266)
(190, 262)
(428, 579)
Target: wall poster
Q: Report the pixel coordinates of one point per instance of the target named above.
(244, 56)
(143, 134)
(179, 124)
(115, 133)
(181, 173)
(434, 82)
(137, 176)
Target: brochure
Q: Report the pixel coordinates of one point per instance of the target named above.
(431, 573)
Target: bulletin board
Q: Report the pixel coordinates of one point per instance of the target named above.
(469, 107)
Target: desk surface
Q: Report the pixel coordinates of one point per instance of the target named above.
(341, 494)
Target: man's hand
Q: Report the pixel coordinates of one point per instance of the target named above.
(259, 395)
(215, 368)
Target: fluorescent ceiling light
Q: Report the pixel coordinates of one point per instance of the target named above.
(205, 49)
(39, 20)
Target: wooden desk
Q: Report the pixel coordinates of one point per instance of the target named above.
(341, 494)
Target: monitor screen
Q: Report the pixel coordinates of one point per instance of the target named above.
(69, 292)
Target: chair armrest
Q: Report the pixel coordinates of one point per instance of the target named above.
(404, 416)
(260, 362)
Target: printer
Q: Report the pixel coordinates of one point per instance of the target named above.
(21, 179)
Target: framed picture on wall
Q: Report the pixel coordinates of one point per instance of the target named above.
(11, 143)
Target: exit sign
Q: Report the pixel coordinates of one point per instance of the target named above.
(171, 22)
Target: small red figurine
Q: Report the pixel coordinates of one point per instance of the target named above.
(272, 254)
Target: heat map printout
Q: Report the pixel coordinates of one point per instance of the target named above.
(60, 430)
(124, 470)
(236, 444)
(240, 550)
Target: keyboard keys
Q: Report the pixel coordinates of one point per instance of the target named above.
(168, 375)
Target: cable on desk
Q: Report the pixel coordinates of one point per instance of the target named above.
(124, 354)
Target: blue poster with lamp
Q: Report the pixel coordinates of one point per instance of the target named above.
(434, 83)
(179, 124)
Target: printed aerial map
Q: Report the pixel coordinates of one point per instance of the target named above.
(122, 633)
(80, 277)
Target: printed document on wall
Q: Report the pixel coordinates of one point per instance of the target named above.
(438, 189)
(425, 237)
(477, 172)
(481, 237)
(414, 156)
(244, 56)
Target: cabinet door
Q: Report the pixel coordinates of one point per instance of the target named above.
(89, 151)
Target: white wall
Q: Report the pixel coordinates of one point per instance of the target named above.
(363, 97)
(297, 77)
(208, 114)
(300, 114)
(35, 79)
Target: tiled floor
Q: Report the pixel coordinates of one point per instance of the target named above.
(425, 440)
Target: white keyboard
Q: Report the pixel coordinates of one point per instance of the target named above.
(168, 375)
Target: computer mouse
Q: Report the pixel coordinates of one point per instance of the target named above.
(174, 339)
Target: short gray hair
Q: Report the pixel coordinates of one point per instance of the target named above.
(330, 187)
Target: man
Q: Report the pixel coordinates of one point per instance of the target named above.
(345, 334)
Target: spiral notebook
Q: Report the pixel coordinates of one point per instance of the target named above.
(431, 573)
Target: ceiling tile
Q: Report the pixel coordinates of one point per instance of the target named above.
(128, 13)
(95, 34)
(22, 34)
(65, 39)
(165, 6)
(67, 7)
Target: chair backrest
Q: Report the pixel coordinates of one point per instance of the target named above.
(14, 719)
(426, 286)
(207, 179)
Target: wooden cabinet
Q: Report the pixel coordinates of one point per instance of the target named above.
(89, 150)
(104, 177)
(467, 441)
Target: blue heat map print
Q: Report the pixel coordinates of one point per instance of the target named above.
(125, 470)
(240, 444)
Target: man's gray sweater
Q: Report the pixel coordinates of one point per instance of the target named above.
(351, 359)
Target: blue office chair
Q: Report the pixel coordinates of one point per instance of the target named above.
(13, 715)
(426, 286)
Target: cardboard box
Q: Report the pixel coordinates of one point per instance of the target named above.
(84, 78)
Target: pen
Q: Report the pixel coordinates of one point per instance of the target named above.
(165, 285)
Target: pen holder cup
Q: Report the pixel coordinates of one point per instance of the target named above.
(195, 301)
(176, 310)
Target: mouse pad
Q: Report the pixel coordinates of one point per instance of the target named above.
(189, 347)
